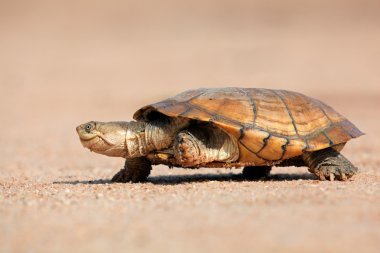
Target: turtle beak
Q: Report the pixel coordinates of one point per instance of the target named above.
(81, 128)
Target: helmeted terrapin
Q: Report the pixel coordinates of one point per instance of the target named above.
(228, 127)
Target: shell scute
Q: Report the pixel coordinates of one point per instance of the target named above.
(271, 113)
(274, 149)
(254, 139)
(294, 148)
(226, 108)
(320, 140)
(306, 116)
(337, 134)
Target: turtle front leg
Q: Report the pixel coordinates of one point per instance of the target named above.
(329, 164)
(201, 145)
(135, 170)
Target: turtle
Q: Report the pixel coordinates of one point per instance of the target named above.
(250, 128)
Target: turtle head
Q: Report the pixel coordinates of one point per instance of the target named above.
(107, 138)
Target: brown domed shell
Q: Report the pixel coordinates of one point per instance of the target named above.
(270, 125)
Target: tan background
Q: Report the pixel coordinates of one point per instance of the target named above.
(66, 62)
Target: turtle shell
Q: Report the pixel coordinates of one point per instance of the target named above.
(270, 125)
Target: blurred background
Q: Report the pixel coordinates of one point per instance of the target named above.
(93, 58)
(63, 63)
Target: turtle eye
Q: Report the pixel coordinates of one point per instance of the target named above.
(88, 127)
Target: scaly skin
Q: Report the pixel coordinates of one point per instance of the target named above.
(129, 139)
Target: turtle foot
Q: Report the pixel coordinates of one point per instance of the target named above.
(135, 170)
(329, 164)
(335, 172)
(121, 177)
(256, 172)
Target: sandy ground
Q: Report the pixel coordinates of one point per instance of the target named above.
(66, 62)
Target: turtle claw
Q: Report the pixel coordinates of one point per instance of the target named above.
(343, 176)
(321, 176)
(332, 177)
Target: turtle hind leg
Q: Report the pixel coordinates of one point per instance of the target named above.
(329, 164)
(256, 172)
(135, 170)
